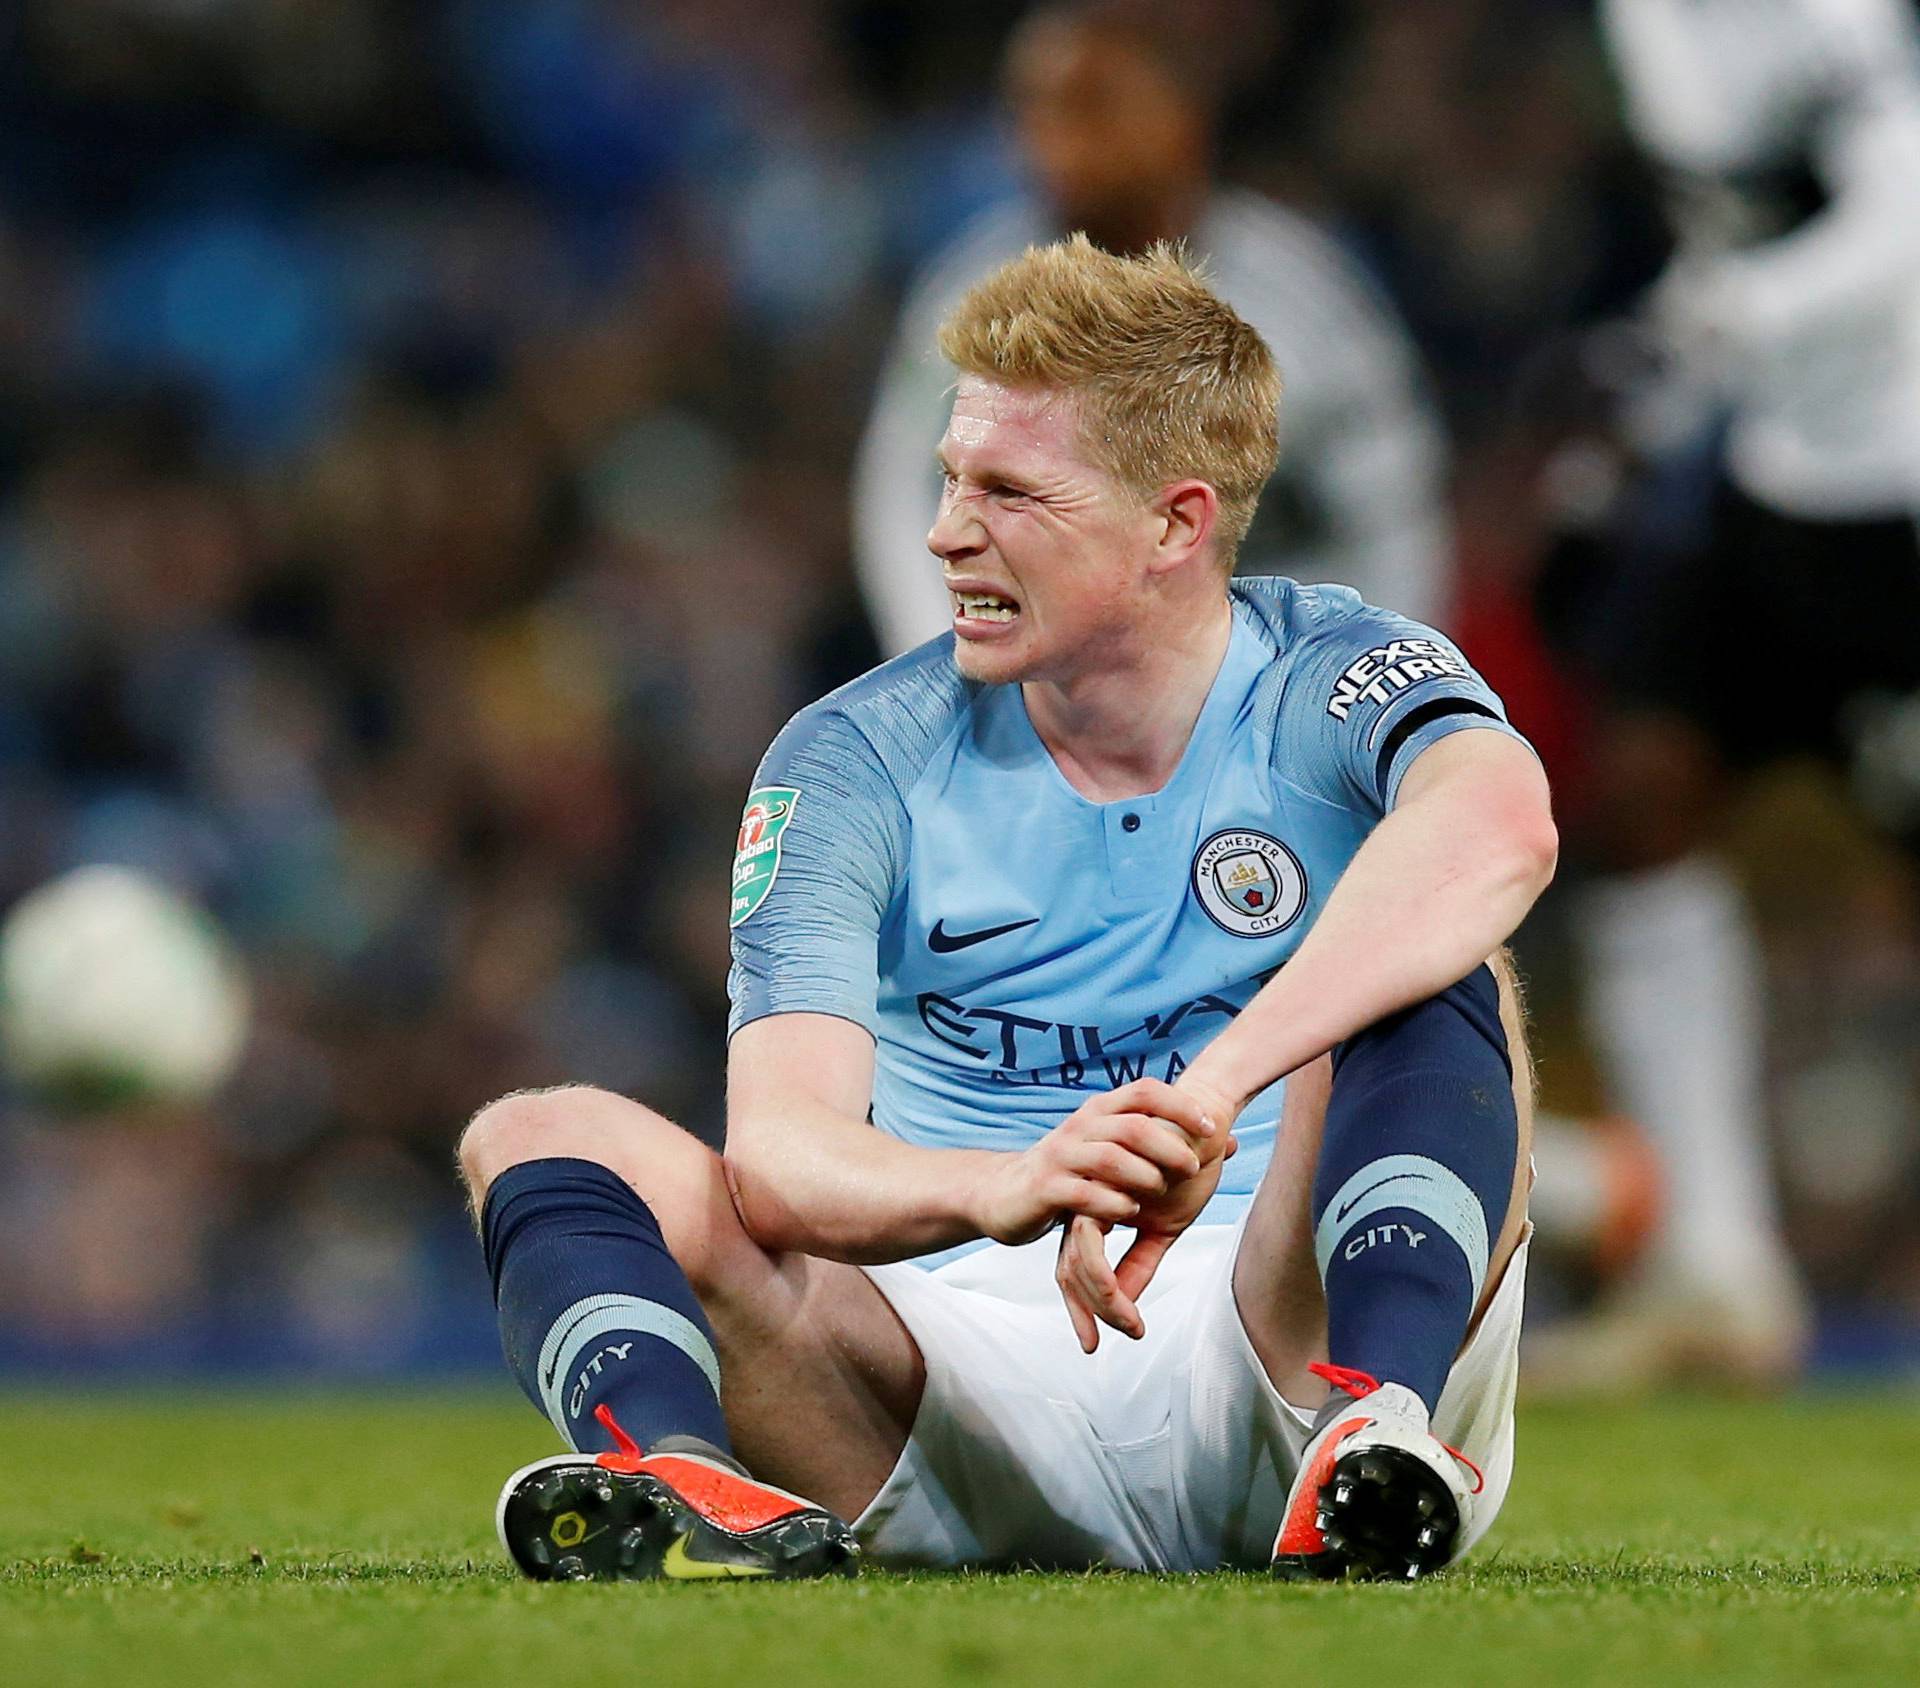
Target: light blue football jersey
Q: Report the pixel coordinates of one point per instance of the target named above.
(913, 860)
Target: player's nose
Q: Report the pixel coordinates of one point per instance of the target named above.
(955, 533)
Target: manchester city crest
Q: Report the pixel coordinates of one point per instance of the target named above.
(1249, 884)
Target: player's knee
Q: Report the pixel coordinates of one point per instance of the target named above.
(572, 1121)
(679, 1177)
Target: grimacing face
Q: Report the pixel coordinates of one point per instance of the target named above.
(1045, 553)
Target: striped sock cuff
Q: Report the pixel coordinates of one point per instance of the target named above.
(587, 1323)
(1413, 1182)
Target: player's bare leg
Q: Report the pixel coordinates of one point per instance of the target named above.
(820, 1379)
(1421, 1490)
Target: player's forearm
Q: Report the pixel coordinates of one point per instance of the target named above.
(1436, 889)
(816, 1183)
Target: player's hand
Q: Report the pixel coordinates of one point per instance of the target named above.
(1097, 1292)
(1165, 1216)
(1116, 1152)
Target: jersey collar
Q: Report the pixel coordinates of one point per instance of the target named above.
(1247, 655)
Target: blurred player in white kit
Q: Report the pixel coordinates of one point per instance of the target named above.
(1790, 134)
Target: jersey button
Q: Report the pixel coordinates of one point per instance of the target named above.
(1129, 823)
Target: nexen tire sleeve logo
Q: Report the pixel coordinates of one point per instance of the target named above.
(1388, 670)
(1249, 883)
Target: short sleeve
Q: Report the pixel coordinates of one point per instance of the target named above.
(819, 852)
(1365, 697)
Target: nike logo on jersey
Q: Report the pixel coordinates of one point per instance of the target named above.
(1348, 1207)
(943, 942)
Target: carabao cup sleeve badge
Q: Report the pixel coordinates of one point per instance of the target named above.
(756, 857)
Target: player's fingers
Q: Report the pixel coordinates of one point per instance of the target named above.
(1085, 1327)
(1096, 1200)
(1140, 1262)
(1094, 1283)
(1152, 1096)
(1159, 1142)
(1118, 1166)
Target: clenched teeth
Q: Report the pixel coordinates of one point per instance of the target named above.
(983, 606)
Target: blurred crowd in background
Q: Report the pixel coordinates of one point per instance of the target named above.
(425, 433)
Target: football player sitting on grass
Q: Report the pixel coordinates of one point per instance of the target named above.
(1125, 961)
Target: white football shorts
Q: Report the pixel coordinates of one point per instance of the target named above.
(1174, 1453)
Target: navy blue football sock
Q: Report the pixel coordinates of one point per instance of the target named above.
(1414, 1181)
(594, 1310)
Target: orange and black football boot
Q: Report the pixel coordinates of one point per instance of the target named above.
(684, 1511)
(1378, 1496)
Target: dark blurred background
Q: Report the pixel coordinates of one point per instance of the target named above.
(424, 438)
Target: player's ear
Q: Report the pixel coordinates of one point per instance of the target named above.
(1185, 516)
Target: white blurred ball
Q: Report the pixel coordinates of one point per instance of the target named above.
(115, 989)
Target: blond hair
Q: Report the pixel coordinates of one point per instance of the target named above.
(1172, 382)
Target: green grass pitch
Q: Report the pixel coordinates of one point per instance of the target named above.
(261, 1539)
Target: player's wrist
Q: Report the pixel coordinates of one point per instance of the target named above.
(1223, 1088)
(1293, 1019)
(984, 1185)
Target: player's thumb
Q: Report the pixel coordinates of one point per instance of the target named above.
(1140, 1262)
